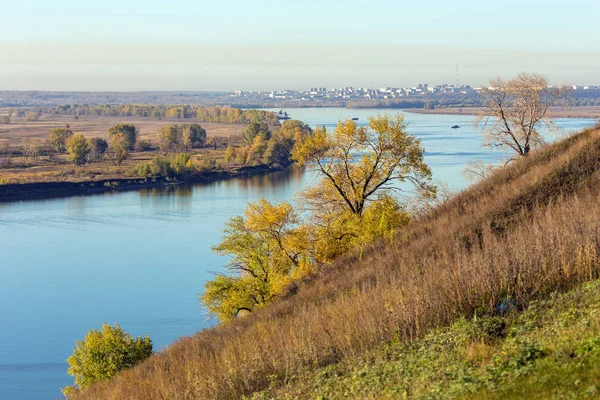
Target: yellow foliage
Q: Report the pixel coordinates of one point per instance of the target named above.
(350, 206)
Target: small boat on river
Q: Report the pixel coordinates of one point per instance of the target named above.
(283, 115)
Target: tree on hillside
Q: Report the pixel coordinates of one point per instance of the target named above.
(193, 135)
(352, 205)
(129, 131)
(515, 110)
(78, 148)
(269, 251)
(170, 138)
(103, 353)
(477, 170)
(360, 163)
(57, 138)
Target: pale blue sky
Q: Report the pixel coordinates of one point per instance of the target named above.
(263, 44)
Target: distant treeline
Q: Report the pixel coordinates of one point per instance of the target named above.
(204, 114)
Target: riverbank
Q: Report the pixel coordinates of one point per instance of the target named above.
(46, 190)
(554, 112)
(478, 257)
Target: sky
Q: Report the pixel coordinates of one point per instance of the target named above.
(195, 45)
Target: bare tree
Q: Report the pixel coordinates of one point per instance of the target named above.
(476, 170)
(515, 110)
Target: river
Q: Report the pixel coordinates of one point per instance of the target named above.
(140, 258)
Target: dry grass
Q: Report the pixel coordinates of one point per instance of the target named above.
(19, 129)
(58, 169)
(529, 229)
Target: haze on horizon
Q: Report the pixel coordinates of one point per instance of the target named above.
(261, 45)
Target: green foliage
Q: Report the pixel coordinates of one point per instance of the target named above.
(271, 247)
(278, 150)
(129, 132)
(263, 147)
(551, 350)
(388, 155)
(118, 149)
(57, 138)
(230, 154)
(173, 166)
(193, 135)
(257, 129)
(350, 207)
(208, 164)
(78, 148)
(255, 152)
(103, 353)
(170, 138)
(205, 114)
(268, 252)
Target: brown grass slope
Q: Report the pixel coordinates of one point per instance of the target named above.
(531, 228)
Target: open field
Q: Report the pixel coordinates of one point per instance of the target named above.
(19, 129)
(555, 112)
(57, 168)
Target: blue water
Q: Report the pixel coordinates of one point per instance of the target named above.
(141, 258)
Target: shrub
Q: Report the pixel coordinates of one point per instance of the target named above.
(102, 354)
(208, 164)
(178, 165)
(143, 145)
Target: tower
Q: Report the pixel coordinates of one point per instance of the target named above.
(457, 82)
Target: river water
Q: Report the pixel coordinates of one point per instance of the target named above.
(140, 258)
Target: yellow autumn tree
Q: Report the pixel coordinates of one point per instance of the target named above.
(230, 154)
(355, 202)
(268, 252)
(360, 163)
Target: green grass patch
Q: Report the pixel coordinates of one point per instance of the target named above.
(550, 350)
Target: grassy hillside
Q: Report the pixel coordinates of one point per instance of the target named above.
(528, 231)
(550, 350)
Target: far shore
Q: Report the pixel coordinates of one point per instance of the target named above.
(554, 112)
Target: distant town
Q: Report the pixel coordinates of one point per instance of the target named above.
(352, 93)
(421, 95)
